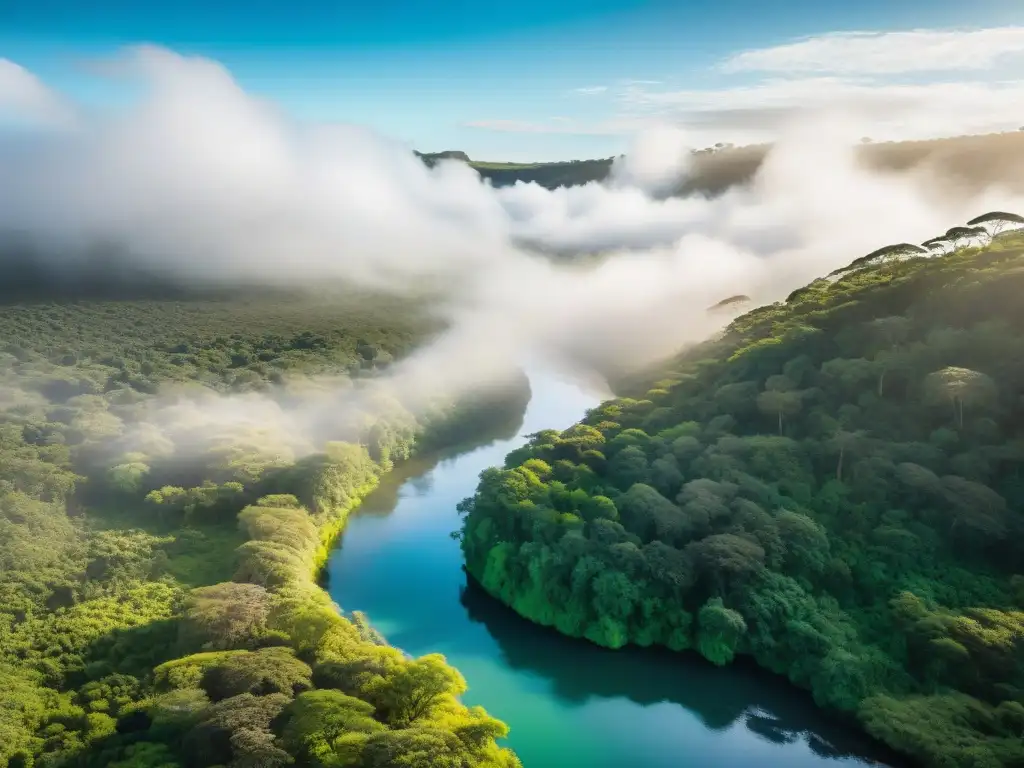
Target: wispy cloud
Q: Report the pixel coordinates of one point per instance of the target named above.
(896, 110)
(876, 53)
(614, 127)
(879, 80)
(201, 181)
(618, 85)
(758, 112)
(23, 97)
(515, 126)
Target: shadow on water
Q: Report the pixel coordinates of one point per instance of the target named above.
(417, 473)
(568, 703)
(579, 671)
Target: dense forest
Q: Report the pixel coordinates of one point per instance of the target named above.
(833, 486)
(157, 598)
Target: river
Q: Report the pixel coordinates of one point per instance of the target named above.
(568, 703)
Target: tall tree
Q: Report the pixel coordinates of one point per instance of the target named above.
(893, 330)
(959, 386)
(997, 221)
(844, 442)
(779, 399)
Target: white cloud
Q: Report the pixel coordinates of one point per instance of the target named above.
(757, 113)
(565, 125)
(855, 72)
(199, 166)
(655, 162)
(592, 90)
(23, 97)
(923, 50)
(514, 126)
(203, 181)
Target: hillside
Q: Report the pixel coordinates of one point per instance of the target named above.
(550, 175)
(162, 522)
(433, 158)
(833, 487)
(975, 161)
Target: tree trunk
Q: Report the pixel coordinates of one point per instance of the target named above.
(839, 466)
(780, 421)
(881, 382)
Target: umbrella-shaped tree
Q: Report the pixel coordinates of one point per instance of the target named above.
(960, 235)
(936, 243)
(959, 386)
(739, 300)
(996, 221)
(881, 256)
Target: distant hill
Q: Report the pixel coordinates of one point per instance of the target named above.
(975, 161)
(559, 174)
(831, 487)
(551, 175)
(432, 158)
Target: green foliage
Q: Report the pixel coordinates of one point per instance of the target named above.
(832, 487)
(224, 616)
(157, 599)
(719, 632)
(326, 724)
(414, 690)
(268, 670)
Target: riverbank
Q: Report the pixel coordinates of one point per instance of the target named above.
(566, 703)
(413, 701)
(193, 645)
(796, 491)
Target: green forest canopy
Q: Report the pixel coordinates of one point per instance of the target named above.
(157, 603)
(833, 487)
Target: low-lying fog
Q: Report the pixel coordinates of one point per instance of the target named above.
(204, 182)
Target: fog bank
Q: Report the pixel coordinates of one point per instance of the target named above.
(200, 181)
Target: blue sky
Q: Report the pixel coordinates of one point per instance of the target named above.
(531, 79)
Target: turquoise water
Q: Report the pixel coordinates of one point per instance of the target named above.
(568, 703)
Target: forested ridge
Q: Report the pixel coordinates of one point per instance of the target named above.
(157, 598)
(973, 161)
(832, 486)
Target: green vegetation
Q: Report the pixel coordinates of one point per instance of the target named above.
(483, 165)
(976, 162)
(550, 175)
(433, 158)
(832, 487)
(157, 598)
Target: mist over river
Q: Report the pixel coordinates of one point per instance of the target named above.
(568, 703)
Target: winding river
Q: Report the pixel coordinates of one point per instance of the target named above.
(568, 703)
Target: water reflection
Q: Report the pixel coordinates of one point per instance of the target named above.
(415, 477)
(568, 703)
(579, 672)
